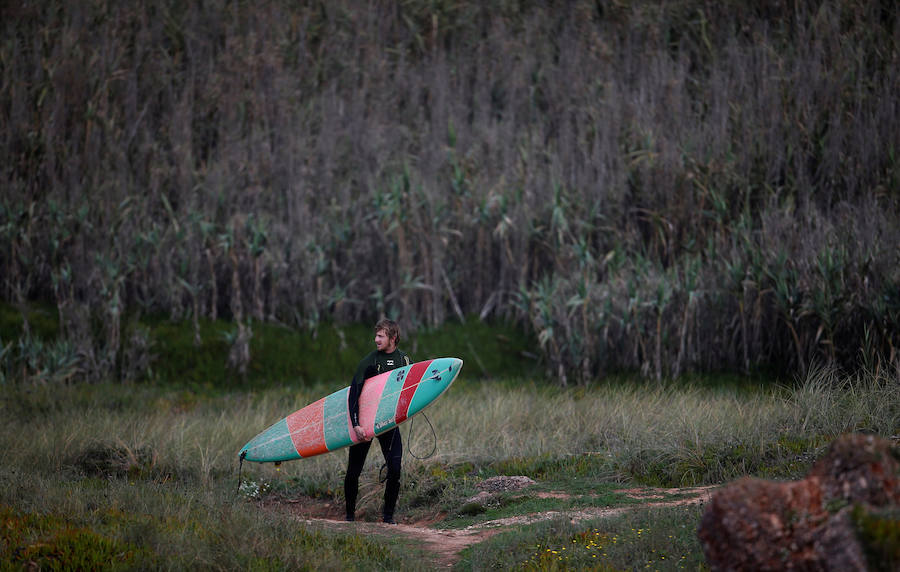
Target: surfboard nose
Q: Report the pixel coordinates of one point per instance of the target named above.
(444, 369)
(449, 365)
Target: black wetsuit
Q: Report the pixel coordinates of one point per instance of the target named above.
(391, 445)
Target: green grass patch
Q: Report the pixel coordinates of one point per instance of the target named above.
(43, 321)
(529, 501)
(879, 532)
(277, 354)
(51, 542)
(198, 360)
(656, 539)
(330, 354)
(123, 524)
(690, 465)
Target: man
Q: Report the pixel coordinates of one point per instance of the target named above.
(385, 358)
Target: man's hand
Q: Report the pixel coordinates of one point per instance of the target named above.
(360, 432)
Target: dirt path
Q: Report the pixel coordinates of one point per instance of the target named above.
(443, 545)
(691, 496)
(446, 544)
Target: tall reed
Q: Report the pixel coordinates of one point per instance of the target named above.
(658, 187)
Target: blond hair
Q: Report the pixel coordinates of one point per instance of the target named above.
(390, 327)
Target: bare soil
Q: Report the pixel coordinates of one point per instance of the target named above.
(445, 545)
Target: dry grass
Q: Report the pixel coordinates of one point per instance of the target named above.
(159, 467)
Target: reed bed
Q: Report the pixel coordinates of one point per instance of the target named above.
(657, 187)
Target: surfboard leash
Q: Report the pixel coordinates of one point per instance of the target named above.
(433, 438)
(240, 471)
(435, 375)
(381, 471)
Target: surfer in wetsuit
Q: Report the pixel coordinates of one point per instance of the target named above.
(385, 358)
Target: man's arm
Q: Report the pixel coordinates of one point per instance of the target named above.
(364, 370)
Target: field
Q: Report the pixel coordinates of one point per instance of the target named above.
(142, 476)
(662, 235)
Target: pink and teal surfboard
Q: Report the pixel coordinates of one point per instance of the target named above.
(387, 400)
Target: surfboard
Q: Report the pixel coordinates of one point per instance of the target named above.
(387, 400)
